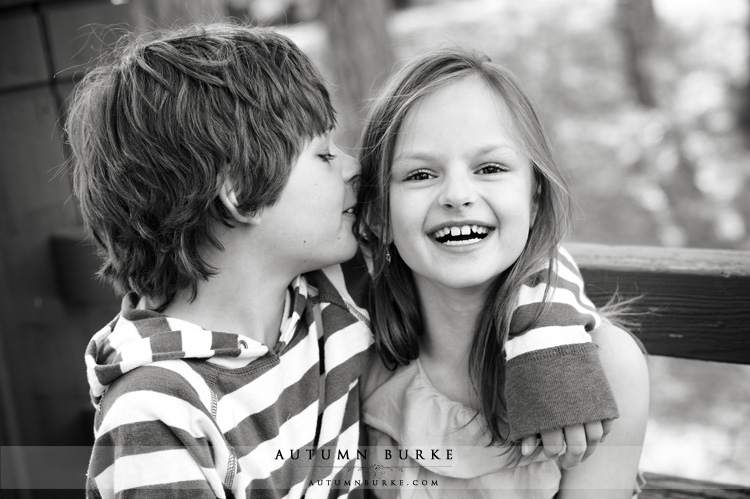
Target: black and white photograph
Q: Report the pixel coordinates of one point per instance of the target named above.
(392, 249)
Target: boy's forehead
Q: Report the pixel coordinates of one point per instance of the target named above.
(319, 139)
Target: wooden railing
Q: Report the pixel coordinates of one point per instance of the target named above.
(691, 304)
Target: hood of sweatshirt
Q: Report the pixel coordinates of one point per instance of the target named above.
(137, 337)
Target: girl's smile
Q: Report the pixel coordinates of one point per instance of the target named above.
(461, 233)
(461, 236)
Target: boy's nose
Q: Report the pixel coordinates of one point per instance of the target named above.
(350, 167)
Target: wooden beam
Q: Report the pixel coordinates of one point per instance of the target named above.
(692, 303)
(664, 486)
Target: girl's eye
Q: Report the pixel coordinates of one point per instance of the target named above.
(327, 157)
(417, 176)
(491, 168)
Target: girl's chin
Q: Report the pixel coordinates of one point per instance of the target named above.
(465, 283)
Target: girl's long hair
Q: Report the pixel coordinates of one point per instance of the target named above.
(395, 305)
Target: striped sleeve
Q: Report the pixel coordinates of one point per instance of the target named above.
(553, 374)
(154, 438)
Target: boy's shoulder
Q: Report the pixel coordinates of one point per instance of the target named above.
(348, 281)
(345, 285)
(162, 386)
(341, 296)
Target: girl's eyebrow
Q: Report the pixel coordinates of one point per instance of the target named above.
(424, 156)
(495, 148)
(418, 156)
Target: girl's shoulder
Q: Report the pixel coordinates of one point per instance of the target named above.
(403, 404)
(379, 378)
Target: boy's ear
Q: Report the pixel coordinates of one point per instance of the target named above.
(229, 200)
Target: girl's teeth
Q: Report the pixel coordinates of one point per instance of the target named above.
(461, 243)
(461, 231)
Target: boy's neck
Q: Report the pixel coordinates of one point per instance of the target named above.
(245, 297)
(255, 311)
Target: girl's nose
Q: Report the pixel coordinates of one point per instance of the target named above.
(457, 192)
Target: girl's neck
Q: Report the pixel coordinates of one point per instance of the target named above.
(450, 316)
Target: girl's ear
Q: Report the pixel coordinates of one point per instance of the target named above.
(229, 200)
(377, 227)
(535, 203)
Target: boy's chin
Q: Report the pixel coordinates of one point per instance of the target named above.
(343, 254)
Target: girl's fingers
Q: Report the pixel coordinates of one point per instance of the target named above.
(575, 439)
(554, 442)
(528, 445)
(594, 434)
(607, 425)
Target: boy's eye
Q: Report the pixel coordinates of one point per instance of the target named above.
(327, 157)
(491, 168)
(417, 176)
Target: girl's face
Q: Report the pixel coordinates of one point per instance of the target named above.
(460, 190)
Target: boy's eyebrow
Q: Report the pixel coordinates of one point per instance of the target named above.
(319, 139)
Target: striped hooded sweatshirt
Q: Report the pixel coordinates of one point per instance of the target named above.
(553, 376)
(186, 411)
(180, 408)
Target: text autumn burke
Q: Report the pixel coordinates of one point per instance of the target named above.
(388, 453)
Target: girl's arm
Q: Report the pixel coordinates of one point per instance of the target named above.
(610, 473)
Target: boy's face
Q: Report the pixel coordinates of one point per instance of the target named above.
(310, 226)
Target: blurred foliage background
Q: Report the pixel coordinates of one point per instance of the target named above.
(647, 99)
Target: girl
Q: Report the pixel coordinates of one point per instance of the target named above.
(464, 209)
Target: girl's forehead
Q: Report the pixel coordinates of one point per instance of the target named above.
(462, 99)
(467, 108)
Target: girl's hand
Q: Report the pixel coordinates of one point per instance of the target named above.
(575, 443)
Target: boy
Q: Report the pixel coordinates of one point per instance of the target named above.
(206, 175)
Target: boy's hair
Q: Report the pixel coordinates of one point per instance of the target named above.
(396, 316)
(166, 118)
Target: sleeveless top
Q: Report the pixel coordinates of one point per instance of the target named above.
(403, 412)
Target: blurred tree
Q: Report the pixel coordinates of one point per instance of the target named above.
(165, 13)
(743, 109)
(687, 217)
(637, 24)
(360, 55)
